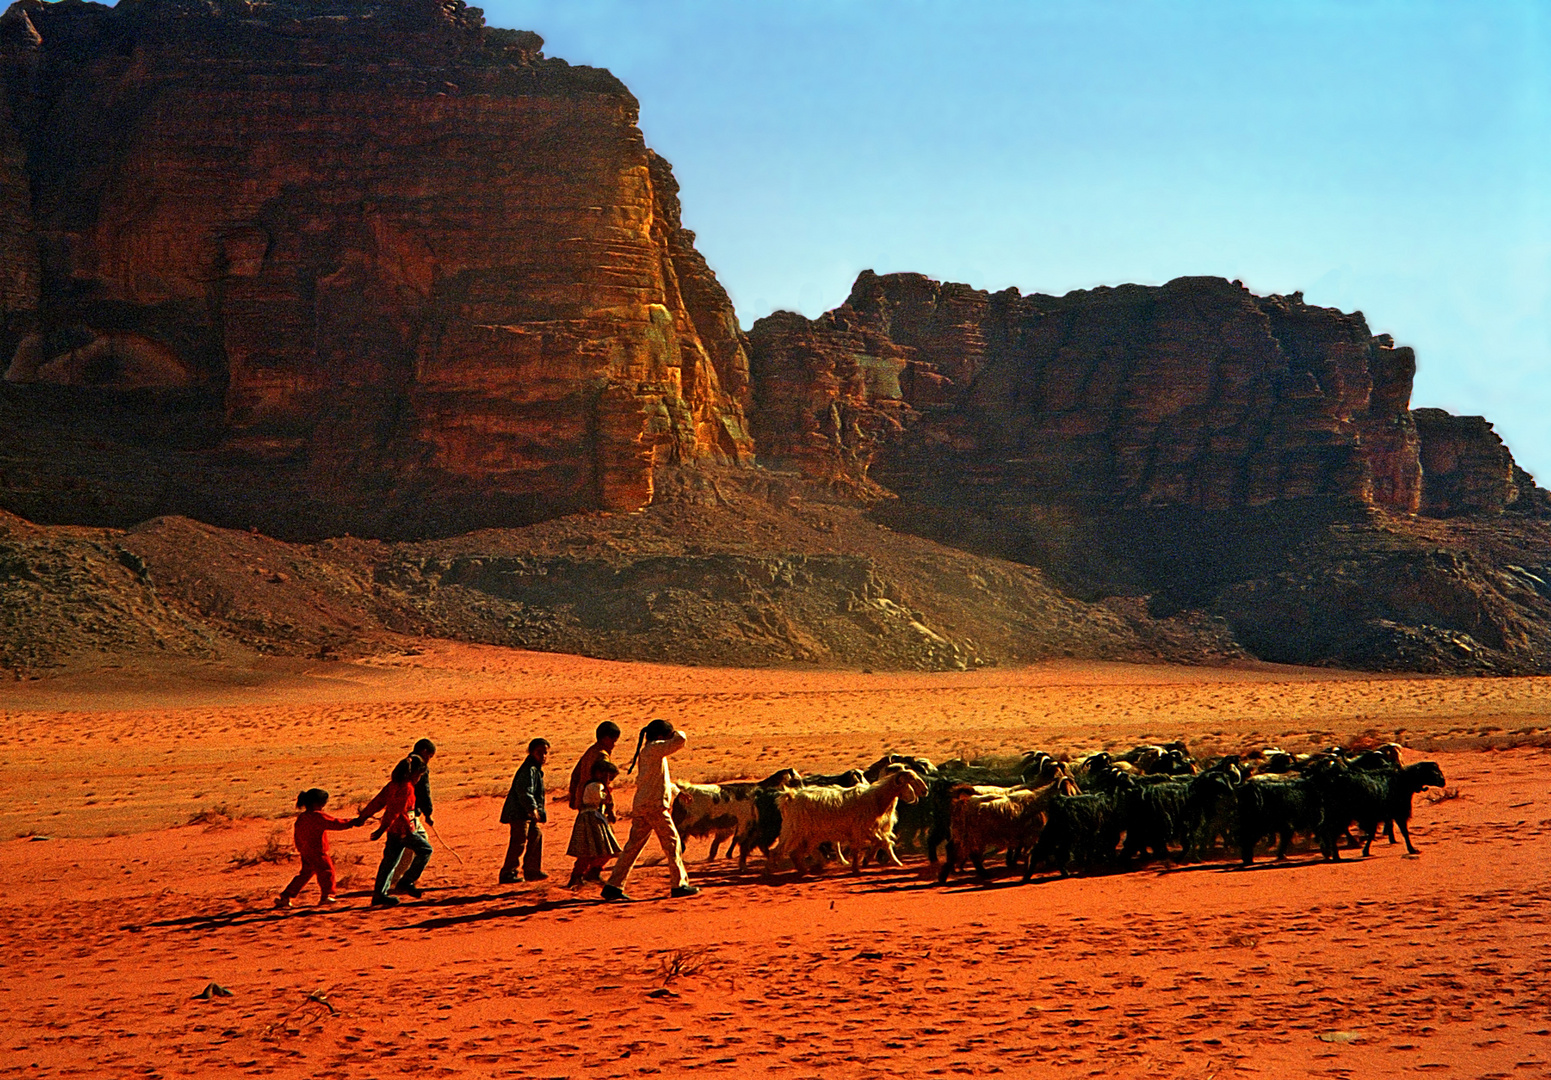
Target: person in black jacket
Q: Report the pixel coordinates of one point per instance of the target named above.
(523, 812)
(425, 750)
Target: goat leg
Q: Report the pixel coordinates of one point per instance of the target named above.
(1285, 839)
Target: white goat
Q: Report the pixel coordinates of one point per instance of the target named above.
(861, 819)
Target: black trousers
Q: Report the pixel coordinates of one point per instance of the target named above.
(525, 849)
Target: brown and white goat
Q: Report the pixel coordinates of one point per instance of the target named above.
(1011, 818)
(724, 812)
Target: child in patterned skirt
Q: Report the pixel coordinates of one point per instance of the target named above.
(592, 841)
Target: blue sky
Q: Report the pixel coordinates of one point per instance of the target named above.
(1393, 158)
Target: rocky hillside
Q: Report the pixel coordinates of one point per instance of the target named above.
(1253, 458)
(726, 567)
(279, 273)
(1197, 394)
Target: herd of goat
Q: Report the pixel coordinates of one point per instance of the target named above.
(1100, 811)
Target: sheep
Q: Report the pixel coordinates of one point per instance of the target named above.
(859, 818)
(1280, 808)
(1009, 818)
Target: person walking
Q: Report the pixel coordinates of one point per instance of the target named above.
(606, 738)
(425, 750)
(650, 813)
(396, 800)
(312, 844)
(524, 812)
(592, 841)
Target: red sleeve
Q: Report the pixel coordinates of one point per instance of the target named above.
(396, 807)
(333, 824)
(377, 803)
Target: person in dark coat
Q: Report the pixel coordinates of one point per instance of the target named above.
(425, 750)
(524, 812)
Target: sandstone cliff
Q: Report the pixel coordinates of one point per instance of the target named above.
(1197, 393)
(328, 266)
(1192, 446)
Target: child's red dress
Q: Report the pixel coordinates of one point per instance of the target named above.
(312, 843)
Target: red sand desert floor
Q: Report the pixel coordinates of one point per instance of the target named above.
(1437, 964)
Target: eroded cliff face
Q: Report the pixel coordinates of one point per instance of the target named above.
(1194, 394)
(317, 267)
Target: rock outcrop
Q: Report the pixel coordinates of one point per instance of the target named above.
(1197, 393)
(327, 266)
(1193, 447)
(1466, 467)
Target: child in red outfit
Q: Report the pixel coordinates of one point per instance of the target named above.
(312, 842)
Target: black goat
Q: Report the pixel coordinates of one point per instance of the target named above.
(1279, 808)
(1082, 827)
(849, 778)
(1372, 798)
(1212, 808)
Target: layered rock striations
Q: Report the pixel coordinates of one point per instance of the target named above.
(1197, 394)
(317, 266)
(1192, 446)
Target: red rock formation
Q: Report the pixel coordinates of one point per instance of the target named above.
(418, 272)
(1466, 468)
(1194, 394)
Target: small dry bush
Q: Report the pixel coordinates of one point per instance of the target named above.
(276, 849)
(680, 963)
(219, 816)
(1443, 794)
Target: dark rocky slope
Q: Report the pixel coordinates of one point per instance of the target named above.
(1252, 458)
(732, 567)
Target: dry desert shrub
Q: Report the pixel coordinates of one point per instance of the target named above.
(1443, 794)
(680, 963)
(219, 816)
(276, 849)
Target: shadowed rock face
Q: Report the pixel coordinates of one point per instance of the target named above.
(364, 266)
(1194, 394)
(1467, 469)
